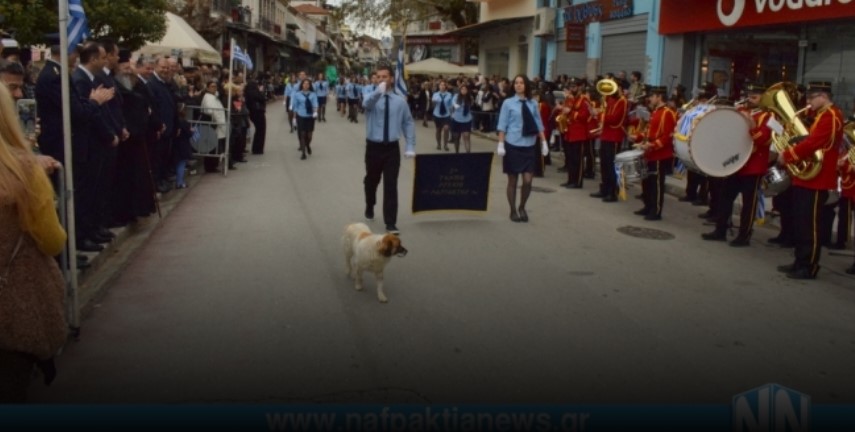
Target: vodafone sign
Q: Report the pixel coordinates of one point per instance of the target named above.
(680, 16)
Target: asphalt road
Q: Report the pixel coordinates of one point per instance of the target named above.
(241, 296)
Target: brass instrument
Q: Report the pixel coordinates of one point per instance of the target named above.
(605, 87)
(695, 102)
(777, 99)
(849, 132)
(563, 122)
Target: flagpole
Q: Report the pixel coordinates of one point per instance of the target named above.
(229, 107)
(68, 194)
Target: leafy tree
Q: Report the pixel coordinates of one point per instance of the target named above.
(197, 13)
(396, 13)
(130, 22)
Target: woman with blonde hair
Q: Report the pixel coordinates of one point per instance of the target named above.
(32, 321)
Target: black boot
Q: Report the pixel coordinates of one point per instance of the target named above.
(717, 235)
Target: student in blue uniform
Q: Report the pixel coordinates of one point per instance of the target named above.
(519, 128)
(305, 106)
(322, 90)
(442, 114)
(461, 119)
(341, 97)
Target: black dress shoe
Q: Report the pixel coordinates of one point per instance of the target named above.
(642, 212)
(801, 274)
(597, 195)
(775, 240)
(96, 238)
(589, 176)
(566, 185)
(515, 217)
(89, 246)
(653, 217)
(369, 213)
(104, 232)
(705, 215)
(574, 186)
(786, 268)
(699, 203)
(740, 241)
(715, 235)
(562, 170)
(610, 199)
(850, 269)
(837, 246)
(523, 215)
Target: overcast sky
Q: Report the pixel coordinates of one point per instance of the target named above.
(377, 33)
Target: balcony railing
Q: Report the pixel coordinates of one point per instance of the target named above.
(242, 15)
(222, 6)
(265, 24)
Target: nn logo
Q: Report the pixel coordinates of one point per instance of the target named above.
(771, 408)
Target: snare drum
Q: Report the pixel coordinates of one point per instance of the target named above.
(775, 181)
(714, 140)
(632, 164)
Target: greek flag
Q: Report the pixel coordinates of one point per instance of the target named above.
(78, 27)
(679, 169)
(400, 83)
(243, 57)
(760, 217)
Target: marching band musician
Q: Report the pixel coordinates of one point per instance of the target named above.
(825, 135)
(658, 146)
(847, 193)
(612, 120)
(576, 110)
(697, 184)
(589, 152)
(747, 180)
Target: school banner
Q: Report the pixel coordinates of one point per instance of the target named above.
(459, 182)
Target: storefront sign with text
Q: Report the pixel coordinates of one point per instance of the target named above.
(598, 11)
(432, 40)
(680, 16)
(575, 37)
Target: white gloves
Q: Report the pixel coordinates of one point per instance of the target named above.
(314, 115)
(294, 122)
(382, 87)
(456, 106)
(544, 148)
(409, 154)
(501, 148)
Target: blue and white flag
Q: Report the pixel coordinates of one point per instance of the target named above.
(679, 169)
(400, 83)
(78, 26)
(760, 217)
(243, 57)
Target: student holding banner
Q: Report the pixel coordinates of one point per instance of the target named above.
(520, 125)
(387, 117)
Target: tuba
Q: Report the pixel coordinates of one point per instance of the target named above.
(605, 87)
(777, 99)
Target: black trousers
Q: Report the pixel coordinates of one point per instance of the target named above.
(738, 185)
(608, 150)
(807, 205)
(85, 177)
(589, 155)
(573, 155)
(716, 188)
(696, 186)
(783, 202)
(105, 190)
(844, 220)
(653, 186)
(352, 109)
(383, 161)
(259, 121)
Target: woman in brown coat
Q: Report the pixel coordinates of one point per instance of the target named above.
(32, 321)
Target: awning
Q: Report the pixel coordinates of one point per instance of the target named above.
(181, 36)
(284, 53)
(475, 29)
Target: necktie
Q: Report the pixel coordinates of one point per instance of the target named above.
(386, 119)
(442, 110)
(465, 110)
(309, 107)
(529, 125)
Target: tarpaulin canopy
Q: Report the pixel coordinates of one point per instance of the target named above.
(180, 36)
(435, 66)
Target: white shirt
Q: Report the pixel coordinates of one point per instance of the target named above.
(89, 74)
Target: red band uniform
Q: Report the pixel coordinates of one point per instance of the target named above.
(611, 137)
(659, 155)
(825, 135)
(578, 120)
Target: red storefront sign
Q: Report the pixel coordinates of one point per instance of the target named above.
(575, 37)
(680, 16)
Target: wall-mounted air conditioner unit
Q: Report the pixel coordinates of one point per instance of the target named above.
(544, 22)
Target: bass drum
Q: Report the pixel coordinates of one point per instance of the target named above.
(713, 140)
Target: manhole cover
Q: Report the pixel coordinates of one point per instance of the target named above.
(645, 233)
(542, 189)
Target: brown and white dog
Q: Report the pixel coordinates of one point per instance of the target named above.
(364, 250)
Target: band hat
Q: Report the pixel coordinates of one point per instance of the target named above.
(819, 86)
(755, 88)
(574, 81)
(660, 90)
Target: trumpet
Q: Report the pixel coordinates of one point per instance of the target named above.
(849, 133)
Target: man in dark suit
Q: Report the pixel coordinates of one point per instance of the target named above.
(116, 121)
(166, 108)
(257, 105)
(93, 139)
(84, 110)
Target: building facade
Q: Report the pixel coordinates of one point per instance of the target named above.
(761, 41)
